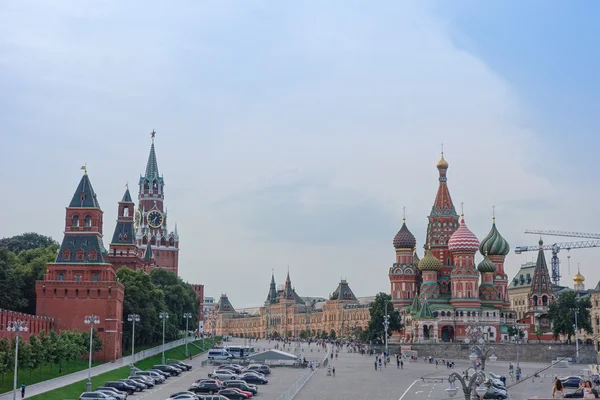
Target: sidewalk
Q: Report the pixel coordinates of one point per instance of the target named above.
(65, 380)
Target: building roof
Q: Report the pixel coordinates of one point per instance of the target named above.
(463, 239)
(541, 282)
(404, 239)
(343, 292)
(124, 233)
(486, 265)
(524, 277)
(89, 244)
(126, 197)
(425, 311)
(84, 196)
(430, 262)
(494, 244)
(272, 355)
(443, 205)
(225, 304)
(148, 252)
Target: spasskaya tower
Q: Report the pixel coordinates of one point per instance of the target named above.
(151, 218)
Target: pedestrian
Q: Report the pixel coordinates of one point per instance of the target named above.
(401, 364)
(333, 371)
(375, 363)
(385, 363)
(380, 364)
(558, 392)
(398, 362)
(22, 390)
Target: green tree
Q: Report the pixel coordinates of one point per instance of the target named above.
(332, 334)
(30, 268)
(376, 331)
(11, 297)
(514, 331)
(26, 241)
(4, 356)
(37, 357)
(563, 318)
(55, 350)
(303, 334)
(26, 356)
(43, 351)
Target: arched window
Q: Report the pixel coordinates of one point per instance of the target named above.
(75, 220)
(126, 211)
(146, 185)
(544, 300)
(87, 222)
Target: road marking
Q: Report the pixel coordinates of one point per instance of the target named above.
(419, 391)
(406, 391)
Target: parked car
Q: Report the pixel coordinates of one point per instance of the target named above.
(209, 387)
(95, 396)
(219, 354)
(222, 374)
(149, 382)
(111, 389)
(110, 393)
(180, 364)
(248, 394)
(262, 368)
(242, 385)
(121, 386)
(165, 375)
(168, 369)
(578, 394)
(182, 393)
(571, 381)
(138, 385)
(251, 377)
(185, 397)
(233, 368)
(233, 394)
(495, 393)
(158, 378)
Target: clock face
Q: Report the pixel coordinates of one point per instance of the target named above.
(155, 218)
(138, 219)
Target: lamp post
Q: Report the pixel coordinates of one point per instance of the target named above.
(576, 311)
(133, 318)
(476, 380)
(164, 316)
(91, 320)
(16, 327)
(187, 317)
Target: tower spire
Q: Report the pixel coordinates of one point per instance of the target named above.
(152, 165)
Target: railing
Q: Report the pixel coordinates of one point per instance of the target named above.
(153, 351)
(293, 391)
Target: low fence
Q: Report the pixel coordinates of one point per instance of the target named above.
(293, 391)
(153, 351)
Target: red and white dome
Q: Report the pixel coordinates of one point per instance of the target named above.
(463, 240)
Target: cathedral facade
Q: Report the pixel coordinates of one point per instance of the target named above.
(82, 281)
(444, 294)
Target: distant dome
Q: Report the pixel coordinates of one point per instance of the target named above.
(442, 164)
(494, 244)
(578, 279)
(463, 240)
(404, 239)
(429, 262)
(486, 265)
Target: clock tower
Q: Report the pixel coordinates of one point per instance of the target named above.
(150, 218)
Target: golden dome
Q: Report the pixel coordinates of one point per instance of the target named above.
(442, 164)
(578, 278)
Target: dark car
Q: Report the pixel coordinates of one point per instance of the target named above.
(578, 394)
(165, 375)
(233, 394)
(121, 386)
(251, 377)
(182, 393)
(111, 389)
(571, 382)
(181, 365)
(138, 385)
(209, 387)
(155, 376)
(168, 369)
(116, 395)
(263, 369)
(235, 369)
(149, 382)
(241, 385)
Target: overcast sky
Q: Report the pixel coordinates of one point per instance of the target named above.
(292, 133)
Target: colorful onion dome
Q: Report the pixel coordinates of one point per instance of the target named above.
(494, 244)
(442, 164)
(486, 265)
(578, 279)
(429, 262)
(463, 240)
(404, 239)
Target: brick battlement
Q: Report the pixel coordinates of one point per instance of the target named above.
(35, 324)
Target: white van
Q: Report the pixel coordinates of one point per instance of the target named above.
(219, 354)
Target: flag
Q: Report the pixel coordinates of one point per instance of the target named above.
(83, 167)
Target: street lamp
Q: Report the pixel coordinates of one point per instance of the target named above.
(187, 317)
(576, 311)
(386, 325)
(16, 327)
(164, 316)
(133, 318)
(91, 320)
(476, 379)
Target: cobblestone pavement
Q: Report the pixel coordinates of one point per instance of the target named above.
(357, 379)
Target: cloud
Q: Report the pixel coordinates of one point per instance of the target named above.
(288, 133)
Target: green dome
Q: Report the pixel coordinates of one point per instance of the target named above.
(494, 244)
(486, 265)
(429, 262)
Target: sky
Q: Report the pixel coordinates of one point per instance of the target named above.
(292, 134)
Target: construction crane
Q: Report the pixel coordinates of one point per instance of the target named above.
(557, 247)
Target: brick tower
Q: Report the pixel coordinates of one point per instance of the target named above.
(496, 248)
(443, 221)
(403, 274)
(464, 278)
(123, 250)
(82, 281)
(150, 218)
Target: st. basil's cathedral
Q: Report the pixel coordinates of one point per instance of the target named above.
(442, 294)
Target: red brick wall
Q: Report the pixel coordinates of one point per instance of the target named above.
(69, 302)
(35, 324)
(199, 289)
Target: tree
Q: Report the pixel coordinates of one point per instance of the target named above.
(514, 331)
(26, 356)
(332, 334)
(11, 297)
(375, 330)
(4, 355)
(36, 353)
(563, 318)
(31, 267)
(303, 334)
(26, 241)
(44, 346)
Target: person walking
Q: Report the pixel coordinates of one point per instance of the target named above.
(558, 391)
(375, 363)
(401, 364)
(398, 362)
(22, 390)
(333, 371)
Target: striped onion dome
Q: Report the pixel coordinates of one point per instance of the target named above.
(494, 244)
(486, 265)
(463, 240)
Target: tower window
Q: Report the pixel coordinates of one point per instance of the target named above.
(66, 255)
(80, 255)
(96, 277)
(126, 211)
(77, 278)
(93, 256)
(60, 277)
(75, 220)
(87, 221)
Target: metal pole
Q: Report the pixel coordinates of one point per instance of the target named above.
(576, 336)
(91, 320)
(163, 342)
(16, 363)
(133, 344)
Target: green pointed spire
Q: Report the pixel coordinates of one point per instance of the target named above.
(416, 306)
(425, 312)
(84, 196)
(148, 253)
(126, 197)
(152, 165)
